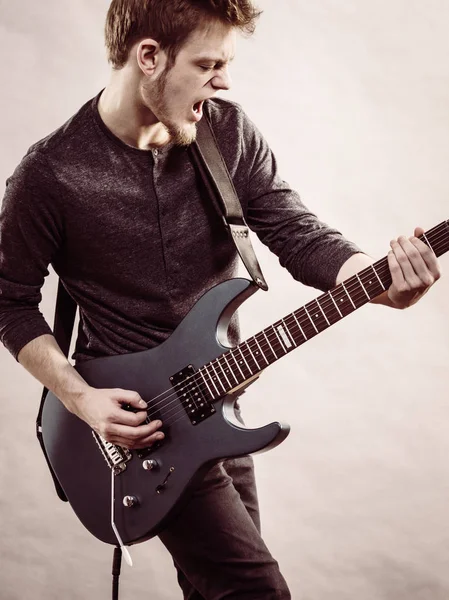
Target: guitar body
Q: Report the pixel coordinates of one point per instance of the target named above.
(188, 449)
(190, 382)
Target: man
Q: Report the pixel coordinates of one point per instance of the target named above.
(113, 201)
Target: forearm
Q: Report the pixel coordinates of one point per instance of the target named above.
(43, 358)
(101, 409)
(353, 265)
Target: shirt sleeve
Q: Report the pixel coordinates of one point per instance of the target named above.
(312, 251)
(30, 234)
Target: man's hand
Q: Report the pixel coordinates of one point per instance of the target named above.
(103, 411)
(414, 269)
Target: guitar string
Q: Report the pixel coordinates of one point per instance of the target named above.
(275, 345)
(305, 322)
(221, 394)
(170, 416)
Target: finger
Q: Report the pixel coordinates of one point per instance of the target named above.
(133, 433)
(410, 261)
(415, 253)
(419, 231)
(126, 417)
(149, 441)
(128, 397)
(135, 443)
(428, 257)
(397, 275)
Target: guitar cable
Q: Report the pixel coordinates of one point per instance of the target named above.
(116, 568)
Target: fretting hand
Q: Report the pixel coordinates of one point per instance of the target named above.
(414, 269)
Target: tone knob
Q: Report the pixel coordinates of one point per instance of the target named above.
(149, 465)
(130, 501)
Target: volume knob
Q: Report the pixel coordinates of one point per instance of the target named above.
(149, 465)
(130, 501)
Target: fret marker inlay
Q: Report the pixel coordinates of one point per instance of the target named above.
(284, 337)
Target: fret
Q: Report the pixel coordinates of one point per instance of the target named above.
(269, 345)
(300, 328)
(261, 351)
(315, 314)
(306, 323)
(249, 357)
(217, 374)
(343, 300)
(310, 318)
(303, 324)
(355, 291)
(252, 355)
(288, 333)
(428, 243)
(350, 299)
(239, 348)
(324, 315)
(281, 343)
(364, 289)
(329, 309)
(440, 238)
(380, 280)
(204, 379)
(230, 370)
(224, 373)
(336, 305)
(371, 284)
(276, 342)
(212, 379)
(237, 363)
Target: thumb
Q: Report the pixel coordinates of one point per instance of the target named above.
(418, 231)
(130, 398)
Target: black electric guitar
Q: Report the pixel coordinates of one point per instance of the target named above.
(190, 382)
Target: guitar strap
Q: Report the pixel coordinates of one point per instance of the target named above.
(219, 184)
(65, 313)
(215, 175)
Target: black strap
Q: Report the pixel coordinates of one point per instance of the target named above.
(65, 312)
(217, 174)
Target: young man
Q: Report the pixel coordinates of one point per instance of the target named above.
(113, 201)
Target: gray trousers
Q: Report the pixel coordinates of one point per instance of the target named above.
(215, 541)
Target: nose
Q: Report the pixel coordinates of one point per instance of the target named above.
(222, 80)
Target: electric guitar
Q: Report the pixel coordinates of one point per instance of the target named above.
(191, 383)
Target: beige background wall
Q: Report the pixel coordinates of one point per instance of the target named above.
(353, 96)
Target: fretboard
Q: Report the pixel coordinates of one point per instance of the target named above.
(237, 366)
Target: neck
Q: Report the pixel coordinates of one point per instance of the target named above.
(122, 110)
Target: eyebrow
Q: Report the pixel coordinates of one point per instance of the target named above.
(215, 60)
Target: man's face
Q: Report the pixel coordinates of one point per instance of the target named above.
(176, 97)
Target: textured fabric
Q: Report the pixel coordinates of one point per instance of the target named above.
(216, 544)
(134, 236)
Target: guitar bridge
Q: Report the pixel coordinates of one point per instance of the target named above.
(192, 397)
(115, 456)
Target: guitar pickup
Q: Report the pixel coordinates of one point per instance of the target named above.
(188, 387)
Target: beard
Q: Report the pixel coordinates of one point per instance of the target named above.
(180, 135)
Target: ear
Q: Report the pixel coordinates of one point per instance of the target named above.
(148, 56)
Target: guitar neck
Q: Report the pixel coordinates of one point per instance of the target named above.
(238, 366)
